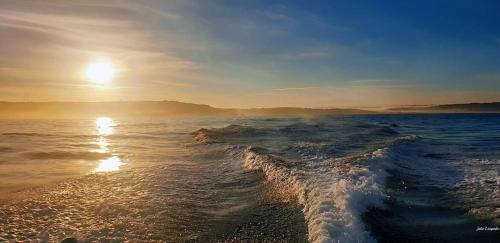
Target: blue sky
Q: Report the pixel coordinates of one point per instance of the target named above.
(254, 53)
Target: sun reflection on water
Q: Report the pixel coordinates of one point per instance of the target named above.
(103, 146)
(104, 128)
(109, 164)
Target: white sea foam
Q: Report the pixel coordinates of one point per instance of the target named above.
(334, 194)
(175, 192)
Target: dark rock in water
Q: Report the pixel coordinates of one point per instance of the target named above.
(394, 125)
(70, 240)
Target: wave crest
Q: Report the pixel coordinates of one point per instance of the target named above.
(324, 167)
(334, 195)
(204, 135)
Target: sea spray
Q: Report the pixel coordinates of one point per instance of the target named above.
(334, 197)
(261, 179)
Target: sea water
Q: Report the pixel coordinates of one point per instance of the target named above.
(293, 179)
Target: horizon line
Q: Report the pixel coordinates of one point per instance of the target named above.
(270, 107)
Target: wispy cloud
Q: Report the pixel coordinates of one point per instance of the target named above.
(383, 83)
(296, 88)
(315, 51)
(226, 50)
(44, 37)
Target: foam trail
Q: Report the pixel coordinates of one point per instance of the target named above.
(333, 195)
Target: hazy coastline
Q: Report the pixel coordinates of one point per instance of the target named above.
(15, 110)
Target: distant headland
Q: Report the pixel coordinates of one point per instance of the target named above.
(492, 107)
(175, 108)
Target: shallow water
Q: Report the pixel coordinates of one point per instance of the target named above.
(320, 179)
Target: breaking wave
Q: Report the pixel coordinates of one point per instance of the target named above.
(322, 179)
(334, 196)
(204, 135)
(334, 191)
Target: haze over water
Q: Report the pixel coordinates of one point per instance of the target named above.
(347, 178)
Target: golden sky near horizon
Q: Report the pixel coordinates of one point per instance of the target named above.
(235, 54)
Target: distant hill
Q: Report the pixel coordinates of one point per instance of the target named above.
(493, 107)
(77, 109)
(174, 108)
(300, 111)
(146, 109)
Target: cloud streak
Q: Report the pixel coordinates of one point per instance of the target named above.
(216, 52)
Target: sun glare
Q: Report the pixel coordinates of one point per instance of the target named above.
(100, 72)
(109, 164)
(104, 125)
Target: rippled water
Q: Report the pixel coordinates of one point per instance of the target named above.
(319, 179)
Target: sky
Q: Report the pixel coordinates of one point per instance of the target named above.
(243, 53)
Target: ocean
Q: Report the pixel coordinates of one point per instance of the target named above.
(363, 178)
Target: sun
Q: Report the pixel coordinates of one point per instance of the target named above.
(100, 72)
